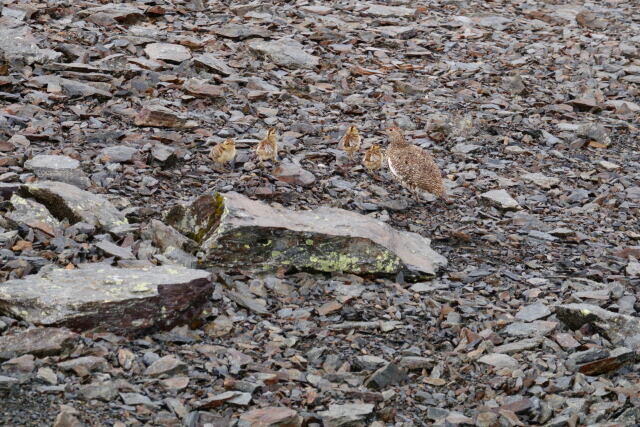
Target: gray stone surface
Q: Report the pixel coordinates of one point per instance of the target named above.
(346, 415)
(40, 342)
(621, 329)
(58, 168)
(19, 44)
(285, 52)
(501, 199)
(167, 52)
(68, 201)
(254, 235)
(124, 301)
(533, 312)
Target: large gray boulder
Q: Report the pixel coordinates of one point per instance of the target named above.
(101, 297)
(237, 232)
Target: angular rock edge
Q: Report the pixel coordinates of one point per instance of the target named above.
(100, 297)
(237, 232)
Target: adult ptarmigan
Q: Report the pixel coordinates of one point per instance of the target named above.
(412, 166)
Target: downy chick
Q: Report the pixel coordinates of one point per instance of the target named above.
(267, 149)
(224, 152)
(373, 158)
(350, 141)
(412, 166)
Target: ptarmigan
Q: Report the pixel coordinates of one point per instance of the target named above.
(412, 166)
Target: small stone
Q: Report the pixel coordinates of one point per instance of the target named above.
(462, 148)
(499, 361)
(40, 342)
(58, 168)
(285, 52)
(105, 391)
(533, 312)
(117, 154)
(115, 250)
(168, 365)
(167, 52)
(501, 199)
(213, 63)
(328, 308)
(346, 415)
(386, 376)
(294, 174)
(389, 11)
(535, 328)
(270, 417)
(159, 116)
(48, 375)
(518, 346)
(541, 180)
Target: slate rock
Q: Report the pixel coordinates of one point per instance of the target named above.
(105, 391)
(499, 361)
(200, 87)
(40, 342)
(541, 180)
(159, 116)
(351, 414)
(167, 52)
(214, 63)
(115, 250)
(123, 301)
(8, 383)
(533, 312)
(72, 88)
(272, 416)
(620, 329)
(535, 328)
(238, 31)
(117, 154)
(285, 52)
(294, 174)
(255, 235)
(19, 44)
(389, 11)
(33, 214)
(68, 201)
(386, 376)
(518, 346)
(501, 199)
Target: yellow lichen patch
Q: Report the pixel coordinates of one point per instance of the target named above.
(141, 287)
(309, 242)
(335, 262)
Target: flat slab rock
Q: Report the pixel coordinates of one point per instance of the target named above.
(101, 297)
(621, 329)
(254, 235)
(40, 342)
(70, 202)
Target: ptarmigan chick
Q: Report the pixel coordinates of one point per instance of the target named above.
(267, 149)
(224, 152)
(350, 141)
(373, 158)
(412, 166)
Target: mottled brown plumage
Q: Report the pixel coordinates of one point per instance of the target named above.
(412, 166)
(373, 158)
(267, 149)
(224, 152)
(350, 141)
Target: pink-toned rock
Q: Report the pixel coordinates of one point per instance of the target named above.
(270, 417)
